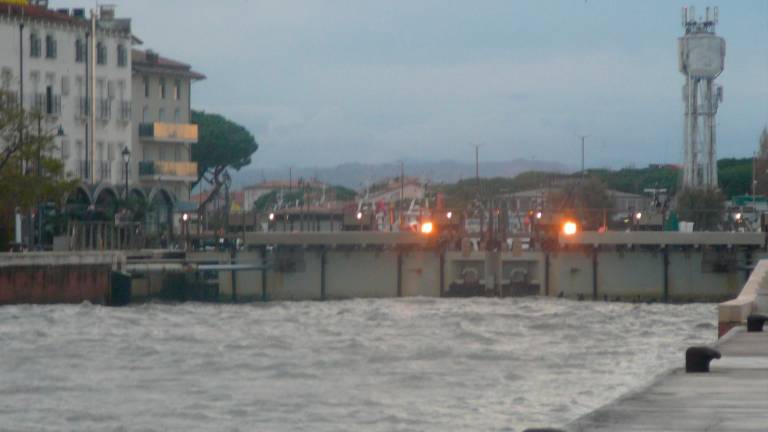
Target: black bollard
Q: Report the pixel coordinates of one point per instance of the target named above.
(697, 358)
(755, 322)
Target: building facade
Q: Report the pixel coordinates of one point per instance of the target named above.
(394, 190)
(162, 132)
(50, 59)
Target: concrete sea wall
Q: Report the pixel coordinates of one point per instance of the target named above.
(57, 277)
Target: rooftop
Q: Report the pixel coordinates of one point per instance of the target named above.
(150, 61)
(63, 16)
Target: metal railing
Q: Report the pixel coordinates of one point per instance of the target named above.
(174, 132)
(125, 111)
(105, 170)
(83, 170)
(104, 109)
(105, 235)
(168, 168)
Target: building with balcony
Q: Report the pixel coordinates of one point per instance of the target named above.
(45, 52)
(162, 133)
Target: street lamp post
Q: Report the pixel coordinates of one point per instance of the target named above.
(126, 160)
(40, 204)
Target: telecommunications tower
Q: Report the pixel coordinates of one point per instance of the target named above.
(701, 58)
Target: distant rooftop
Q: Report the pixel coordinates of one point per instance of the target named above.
(74, 17)
(151, 62)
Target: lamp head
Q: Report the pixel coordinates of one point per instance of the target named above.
(126, 154)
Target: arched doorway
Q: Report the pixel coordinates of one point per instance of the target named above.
(159, 217)
(106, 202)
(76, 203)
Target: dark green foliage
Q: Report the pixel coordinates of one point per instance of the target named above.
(703, 207)
(221, 143)
(635, 180)
(463, 192)
(588, 200)
(25, 141)
(735, 176)
(302, 195)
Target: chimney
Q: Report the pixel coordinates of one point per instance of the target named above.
(107, 12)
(151, 56)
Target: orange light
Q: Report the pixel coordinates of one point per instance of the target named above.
(570, 228)
(426, 228)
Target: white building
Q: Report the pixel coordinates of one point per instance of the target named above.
(162, 133)
(50, 59)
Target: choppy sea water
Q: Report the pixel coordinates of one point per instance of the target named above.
(359, 365)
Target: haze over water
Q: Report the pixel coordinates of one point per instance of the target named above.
(373, 365)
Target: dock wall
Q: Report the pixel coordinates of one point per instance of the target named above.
(52, 277)
(673, 275)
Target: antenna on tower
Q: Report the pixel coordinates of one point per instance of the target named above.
(685, 16)
(717, 15)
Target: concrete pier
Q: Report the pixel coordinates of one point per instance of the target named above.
(733, 396)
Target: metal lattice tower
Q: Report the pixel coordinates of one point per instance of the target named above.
(701, 58)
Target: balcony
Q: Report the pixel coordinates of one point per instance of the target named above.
(48, 104)
(166, 170)
(104, 109)
(105, 170)
(125, 111)
(168, 132)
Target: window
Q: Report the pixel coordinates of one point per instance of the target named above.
(122, 55)
(145, 115)
(34, 45)
(162, 88)
(161, 115)
(177, 89)
(80, 50)
(111, 152)
(49, 100)
(146, 86)
(64, 149)
(177, 115)
(178, 153)
(6, 76)
(50, 47)
(65, 86)
(80, 154)
(101, 53)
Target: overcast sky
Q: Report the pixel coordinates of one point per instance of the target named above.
(322, 82)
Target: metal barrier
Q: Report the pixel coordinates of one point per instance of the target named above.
(105, 236)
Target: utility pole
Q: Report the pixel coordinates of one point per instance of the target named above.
(582, 137)
(92, 98)
(477, 167)
(754, 177)
(402, 191)
(21, 105)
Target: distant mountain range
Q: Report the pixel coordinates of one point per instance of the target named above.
(358, 175)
